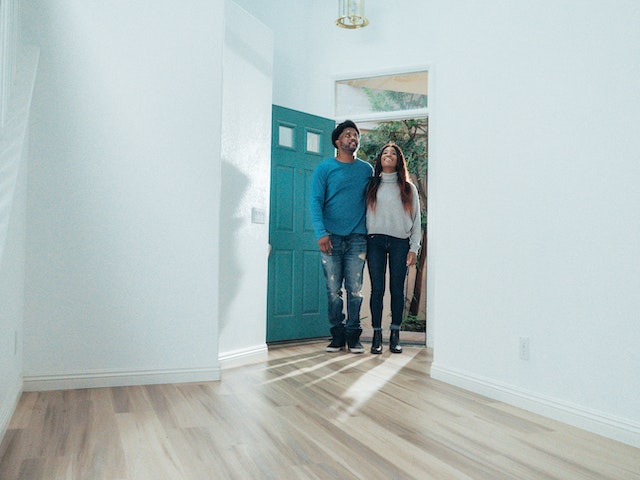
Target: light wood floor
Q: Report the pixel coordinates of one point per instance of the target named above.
(303, 414)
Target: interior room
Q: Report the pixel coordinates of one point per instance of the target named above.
(135, 142)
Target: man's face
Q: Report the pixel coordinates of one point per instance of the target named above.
(349, 140)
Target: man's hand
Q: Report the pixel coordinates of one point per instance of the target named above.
(411, 258)
(325, 245)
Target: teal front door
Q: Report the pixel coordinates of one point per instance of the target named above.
(296, 302)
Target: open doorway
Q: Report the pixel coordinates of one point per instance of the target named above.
(394, 107)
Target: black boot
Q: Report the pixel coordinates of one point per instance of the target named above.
(337, 339)
(353, 341)
(394, 341)
(376, 344)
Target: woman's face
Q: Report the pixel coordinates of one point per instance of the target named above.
(389, 160)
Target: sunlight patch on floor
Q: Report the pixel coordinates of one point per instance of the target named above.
(291, 362)
(346, 367)
(303, 370)
(373, 380)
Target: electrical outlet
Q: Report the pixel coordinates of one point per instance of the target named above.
(523, 348)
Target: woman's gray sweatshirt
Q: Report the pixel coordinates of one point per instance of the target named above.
(390, 217)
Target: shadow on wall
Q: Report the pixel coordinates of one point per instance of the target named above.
(233, 189)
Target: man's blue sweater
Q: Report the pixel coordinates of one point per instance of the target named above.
(338, 197)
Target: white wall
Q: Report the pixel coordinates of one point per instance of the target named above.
(13, 191)
(246, 161)
(124, 189)
(533, 225)
(536, 218)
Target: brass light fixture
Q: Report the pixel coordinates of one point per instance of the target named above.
(351, 14)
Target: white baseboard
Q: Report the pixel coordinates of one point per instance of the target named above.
(8, 408)
(103, 378)
(616, 428)
(243, 356)
(99, 379)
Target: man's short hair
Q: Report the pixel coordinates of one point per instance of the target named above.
(340, 128)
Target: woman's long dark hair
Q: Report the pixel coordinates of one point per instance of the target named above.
(406, 192)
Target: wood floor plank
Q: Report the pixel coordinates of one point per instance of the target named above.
(24, 410)
(147, 451)
(301, 414)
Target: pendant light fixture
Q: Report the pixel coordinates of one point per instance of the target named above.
(351, 14)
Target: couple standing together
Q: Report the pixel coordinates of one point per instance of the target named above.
(359, 213)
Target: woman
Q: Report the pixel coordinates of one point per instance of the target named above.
(393, 234)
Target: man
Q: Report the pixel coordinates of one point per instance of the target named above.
(338, 215)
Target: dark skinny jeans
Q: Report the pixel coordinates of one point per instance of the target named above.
(381, 248)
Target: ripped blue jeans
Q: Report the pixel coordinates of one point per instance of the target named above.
(345, 266)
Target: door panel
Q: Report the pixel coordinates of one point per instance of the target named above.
(297, 303)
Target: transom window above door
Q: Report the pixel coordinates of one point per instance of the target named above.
(403, 95)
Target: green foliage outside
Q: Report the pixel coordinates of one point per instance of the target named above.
(390, 101)
(412, 323)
